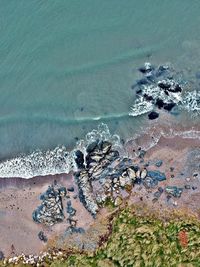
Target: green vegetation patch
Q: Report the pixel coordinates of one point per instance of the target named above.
(143, 241)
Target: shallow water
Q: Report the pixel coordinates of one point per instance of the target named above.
(66, 66)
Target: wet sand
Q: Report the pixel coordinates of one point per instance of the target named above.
(19, 197)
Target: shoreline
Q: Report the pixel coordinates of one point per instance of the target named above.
(24, 194)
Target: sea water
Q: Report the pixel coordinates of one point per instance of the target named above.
(66, 66)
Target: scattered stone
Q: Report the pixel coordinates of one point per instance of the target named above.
(159, 163)
(174, 191)
(118, 201)
(157, 175)
(187, 186)
(70, 189)
(153, 115)
(194, 187)
(154, 200)
(187, 179)
(42, 236)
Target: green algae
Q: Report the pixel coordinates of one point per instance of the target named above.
(142, 241)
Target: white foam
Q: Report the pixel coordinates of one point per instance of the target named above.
(55, 161)
(191, 102)
(143, 106)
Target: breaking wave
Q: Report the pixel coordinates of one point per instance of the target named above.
(55, 161)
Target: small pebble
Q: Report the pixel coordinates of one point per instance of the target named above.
(187, 186)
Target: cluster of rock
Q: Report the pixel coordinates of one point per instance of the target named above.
(103, 174)
(51, 209)
(158, 88)
(99, 155)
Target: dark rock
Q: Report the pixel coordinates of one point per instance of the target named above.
(79, 159)
(160, 189)
(70, 189)
(177, 88)
(148, 97)
(171, 169)
(1, 255)
(169, 106)
(173, 191)
(42, 236)
(62, 191)
(159, 103)
(91, 147)
(154, 200)
(159, 163)
(153, 115)
(70, 210)
(138, 92)
(157, 175)
(194, 187)
(187, 186)
(164, 85)
(138, 181)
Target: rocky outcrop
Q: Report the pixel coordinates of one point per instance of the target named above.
(51, 209)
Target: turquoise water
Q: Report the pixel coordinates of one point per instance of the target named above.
(65, 64)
